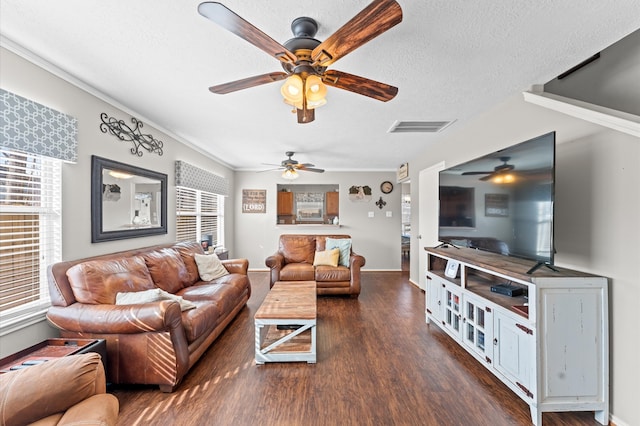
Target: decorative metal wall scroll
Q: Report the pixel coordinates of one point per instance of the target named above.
(381, 203)
(125, 133)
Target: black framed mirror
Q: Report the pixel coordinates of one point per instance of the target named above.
(126, 201)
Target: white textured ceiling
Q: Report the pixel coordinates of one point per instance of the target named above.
(450, 59)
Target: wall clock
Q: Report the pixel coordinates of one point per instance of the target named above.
(386, 187)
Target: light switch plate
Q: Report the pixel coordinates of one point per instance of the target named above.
(371, 214)
(389, 214)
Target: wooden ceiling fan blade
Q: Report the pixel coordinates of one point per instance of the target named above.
(372, 21)
(311, 169)
(248, 82)
(360, 85)
(230, 21)
(306, 115)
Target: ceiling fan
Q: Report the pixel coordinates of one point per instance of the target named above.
(305, 59)
(291, 167)
(499, 170)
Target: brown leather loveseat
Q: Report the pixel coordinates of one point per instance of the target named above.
(63, 391)
(152, 342)
(294, 261)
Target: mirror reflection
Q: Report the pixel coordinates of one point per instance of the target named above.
(129, 201)
(126, 201)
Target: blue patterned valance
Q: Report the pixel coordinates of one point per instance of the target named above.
(190, 176)
(30, 127)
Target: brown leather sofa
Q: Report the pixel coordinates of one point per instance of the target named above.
(154, 342)
(62, 391)
(294, 262)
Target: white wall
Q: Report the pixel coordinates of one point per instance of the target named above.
(377, 239)
(596, 215)
(32, 82)
(597, 201)
(619, 63)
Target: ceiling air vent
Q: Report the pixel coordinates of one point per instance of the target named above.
(419, 126)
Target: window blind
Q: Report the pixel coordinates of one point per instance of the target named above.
(30, 230)
(198, 214)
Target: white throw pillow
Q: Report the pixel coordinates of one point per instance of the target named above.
(148, 296)
(138, 297)
(184, 304)
(209, 267)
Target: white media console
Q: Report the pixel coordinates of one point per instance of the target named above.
(549, 345)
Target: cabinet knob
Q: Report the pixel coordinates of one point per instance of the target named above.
(495, 341)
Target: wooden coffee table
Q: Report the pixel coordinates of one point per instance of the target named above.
(286, 323)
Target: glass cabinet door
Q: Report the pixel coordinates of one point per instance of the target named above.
(452, 309)
(478, 325)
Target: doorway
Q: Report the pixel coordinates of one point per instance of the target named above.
(405, 233)
(428, 215)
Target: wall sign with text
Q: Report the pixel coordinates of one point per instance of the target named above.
(496, 205)
(254, 201)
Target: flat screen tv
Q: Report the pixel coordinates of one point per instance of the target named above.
(502, 202)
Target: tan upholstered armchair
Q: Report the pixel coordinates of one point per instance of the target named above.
(68, 390)
(294, 261)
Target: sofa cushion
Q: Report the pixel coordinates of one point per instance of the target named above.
(167, 269)
(224, 296)
(187, 249)
(332, 274)
(297, 248)
(210, 267)
(201, 320)
(327, 257)
(297, 272)
(98, 281)
(153, 295)
(344, 244)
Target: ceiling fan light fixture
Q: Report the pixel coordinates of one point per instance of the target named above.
(295, 91)
(315, 104)
(504, 178)
(316, 90)
(120, 175)
(291, 90)
(290, 174)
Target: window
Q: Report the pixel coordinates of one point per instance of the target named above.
(30, 231)
(199, 214)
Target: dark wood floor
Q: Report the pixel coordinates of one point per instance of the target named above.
(378, 364)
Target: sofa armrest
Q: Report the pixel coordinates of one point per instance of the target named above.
(42, 390)
(356, 262)
(236, 266)
(117, 319)
(275, 262)
(98, 410)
